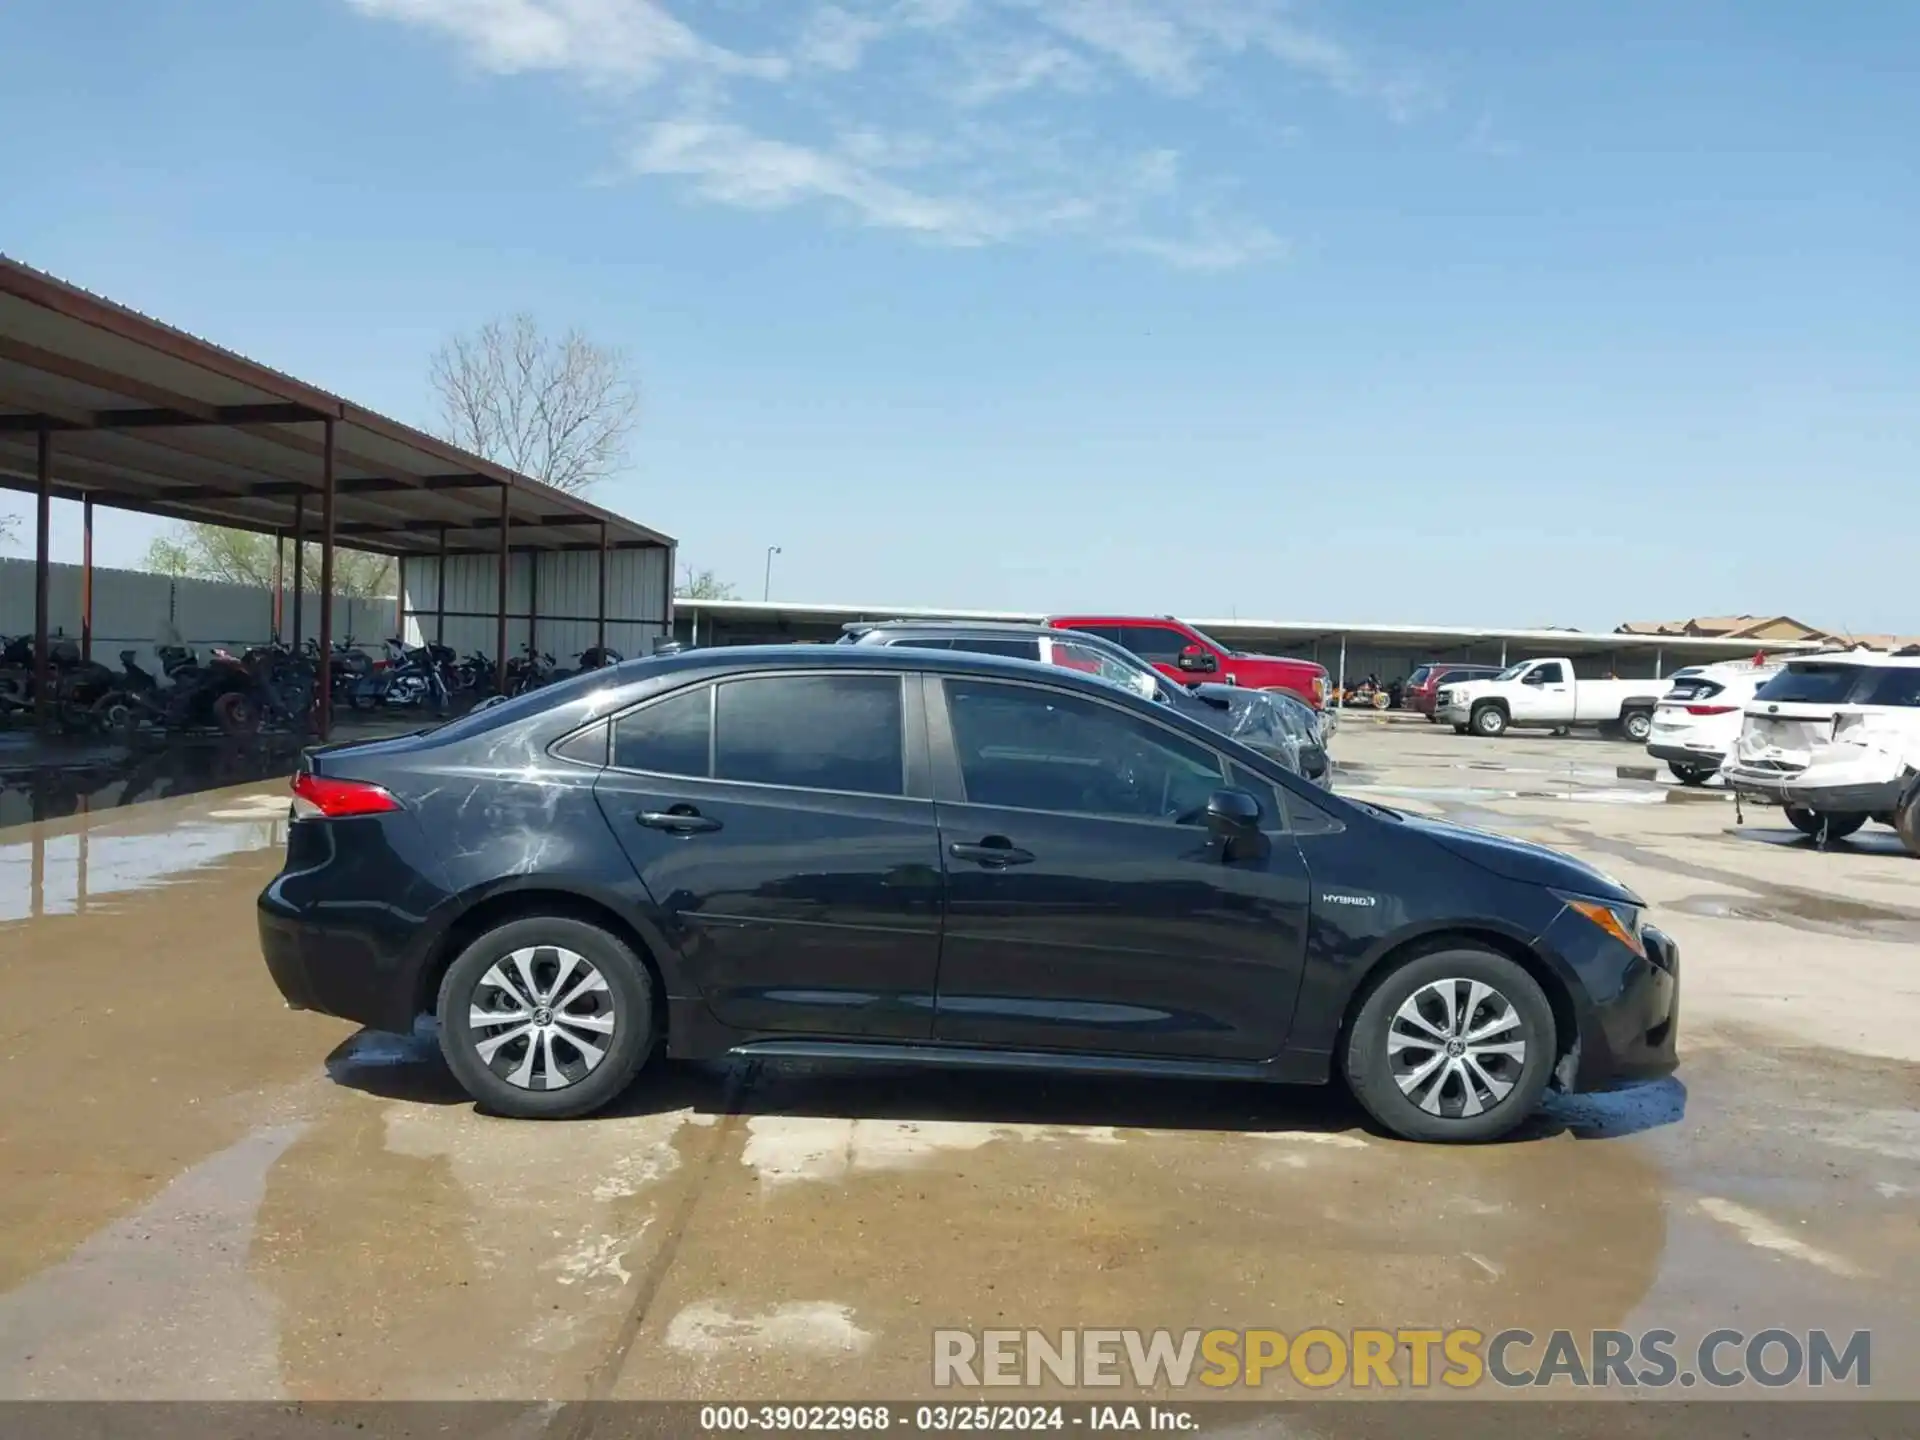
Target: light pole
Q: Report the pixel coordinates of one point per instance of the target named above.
(766, 590)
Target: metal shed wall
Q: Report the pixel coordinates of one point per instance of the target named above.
(565, 597)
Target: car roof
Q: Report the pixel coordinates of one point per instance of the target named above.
(733, 658)
(1873, 658)
(948, 627)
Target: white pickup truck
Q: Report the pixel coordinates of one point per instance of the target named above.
(1545, 694)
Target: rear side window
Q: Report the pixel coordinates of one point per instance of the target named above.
(1419, 677)
(819, 732)
(668, 737)
(1013, 649)
(1812, 684)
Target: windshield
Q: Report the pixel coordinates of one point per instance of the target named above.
(1813, 684)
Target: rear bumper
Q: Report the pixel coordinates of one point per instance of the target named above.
(1686, 754)
(1868, 783)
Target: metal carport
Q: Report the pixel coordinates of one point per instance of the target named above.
(101, 404)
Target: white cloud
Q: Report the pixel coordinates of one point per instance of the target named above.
(736, 167)
(632, 41)
(976, 129)
(836, 39)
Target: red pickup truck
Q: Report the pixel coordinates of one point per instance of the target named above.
(1190, 656)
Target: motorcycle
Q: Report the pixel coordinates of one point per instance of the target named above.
(529, 671)
(409, 678)
(597, 657)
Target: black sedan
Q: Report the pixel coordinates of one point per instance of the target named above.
(891, 854)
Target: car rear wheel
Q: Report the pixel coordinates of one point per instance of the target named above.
(1691, 774)
(1906, 820)
(1454, 1045)
(1812, 822)
(546, 1017)
(1637, 724)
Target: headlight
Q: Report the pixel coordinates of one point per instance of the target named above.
(1622, 922)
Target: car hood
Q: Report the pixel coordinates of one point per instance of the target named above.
(1523, 861)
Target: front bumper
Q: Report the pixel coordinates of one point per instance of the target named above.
(1629, 1029)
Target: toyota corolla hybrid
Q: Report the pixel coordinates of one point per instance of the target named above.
(866, 853)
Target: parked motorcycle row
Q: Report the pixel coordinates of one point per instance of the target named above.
(265, 687)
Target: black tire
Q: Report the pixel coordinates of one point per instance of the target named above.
(236, 714)
(1432, 719)
(1489, 721)
(1637, 725)
(1906, 820)
(1370, 1068)
(628, 1001)
(1810, 822)
(1459, 729)
(1691, 774)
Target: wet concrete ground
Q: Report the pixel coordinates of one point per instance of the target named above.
(208, 1196)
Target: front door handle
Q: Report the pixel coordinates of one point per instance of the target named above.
(996, 852)
(680, 820)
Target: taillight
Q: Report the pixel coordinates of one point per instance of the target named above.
(1711, 709)
(316, 797)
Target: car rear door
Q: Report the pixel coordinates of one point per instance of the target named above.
(782, 825)
(1088, 909)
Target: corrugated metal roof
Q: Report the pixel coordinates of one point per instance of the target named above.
(147, 417)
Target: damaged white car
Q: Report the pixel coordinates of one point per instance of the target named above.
(1835, 739)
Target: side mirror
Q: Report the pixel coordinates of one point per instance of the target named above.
(1233, 821)
(1197, 659)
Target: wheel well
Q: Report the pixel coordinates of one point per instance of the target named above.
(1494, 702)
(518, 904)
(1566, 1023)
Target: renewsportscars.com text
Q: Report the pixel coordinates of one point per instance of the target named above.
(1364, 1358)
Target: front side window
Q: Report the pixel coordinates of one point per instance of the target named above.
(819, 732)
(1154, 642)
(1551, 674)
(668, 737)
(1035, 749)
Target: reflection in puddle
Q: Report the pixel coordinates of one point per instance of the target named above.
(62, 874)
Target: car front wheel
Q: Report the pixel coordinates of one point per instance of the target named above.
(1454, 1045)
(546, 1017)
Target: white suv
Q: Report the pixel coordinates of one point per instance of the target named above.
(1697, 721)
(1835, 738)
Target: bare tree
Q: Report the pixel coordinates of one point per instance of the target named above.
(703, 585)
(560, 410)
(8, 525)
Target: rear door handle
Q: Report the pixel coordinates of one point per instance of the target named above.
(995, 852)
(681, 820)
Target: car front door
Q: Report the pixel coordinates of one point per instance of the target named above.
(1087, 907)
(781, 825)
(1544, 694)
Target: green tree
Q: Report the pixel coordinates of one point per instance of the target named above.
(241, 557)
(703, 585)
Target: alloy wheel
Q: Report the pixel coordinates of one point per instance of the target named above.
(1456, 1047)
(542, 1018)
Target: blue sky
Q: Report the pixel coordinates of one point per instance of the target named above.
(1461, 313)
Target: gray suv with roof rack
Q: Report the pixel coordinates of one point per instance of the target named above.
(1260, 721)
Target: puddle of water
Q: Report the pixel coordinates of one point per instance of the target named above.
(65, 874)
(1821, 914)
